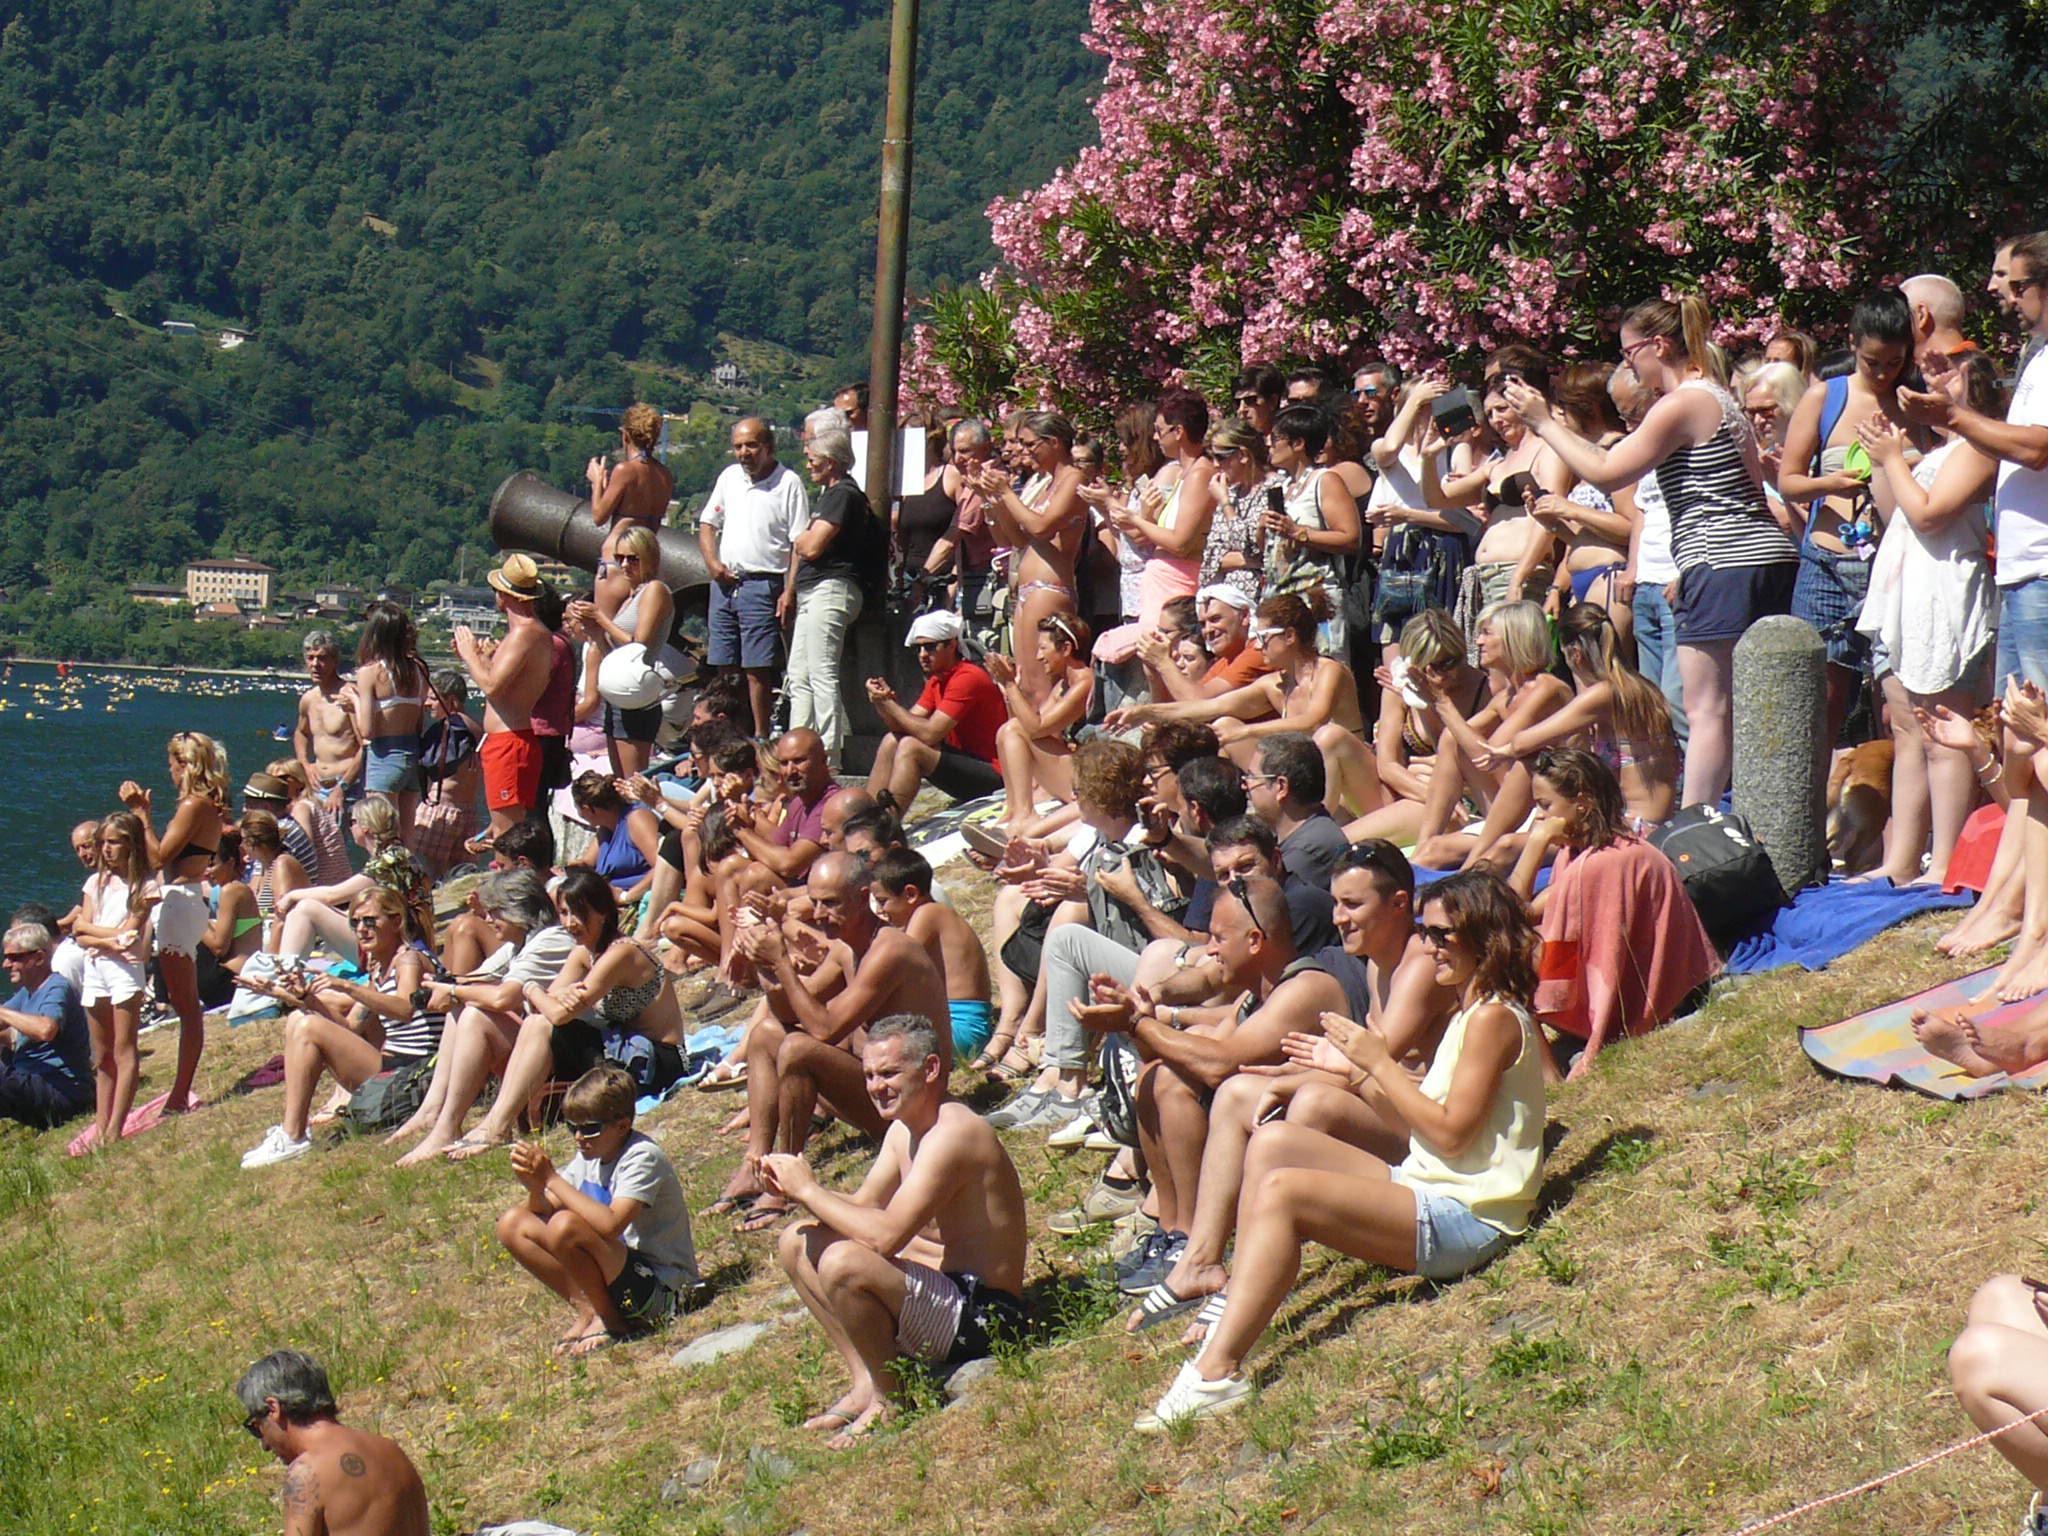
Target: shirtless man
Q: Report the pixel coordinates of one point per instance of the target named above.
(903, 899)
(325, 738)
(802, 1043)
(338, 1481)
(512, 674)
(1375, 891)
(926, 1259)
(1046, 522)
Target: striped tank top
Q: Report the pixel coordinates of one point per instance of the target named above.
(1718, 513)
(410, 1038)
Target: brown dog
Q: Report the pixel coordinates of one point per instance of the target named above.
(1859, 805)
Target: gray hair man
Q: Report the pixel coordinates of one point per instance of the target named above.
(46, 1068)
(338, 1480)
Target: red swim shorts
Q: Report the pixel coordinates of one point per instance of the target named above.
(512, 762)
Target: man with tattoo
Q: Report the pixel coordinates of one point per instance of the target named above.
(338, 1481)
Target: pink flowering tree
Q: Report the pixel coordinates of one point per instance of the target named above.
(1334, 177)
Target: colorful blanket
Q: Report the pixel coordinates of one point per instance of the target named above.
(1879, 1047)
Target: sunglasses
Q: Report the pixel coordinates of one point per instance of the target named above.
(1224, 455)
(18, 957)
(1236, 886)
(369, 919)
(927, 645)
(253, 1420)
(1434, 935)
(585, 1129)
(629, 559)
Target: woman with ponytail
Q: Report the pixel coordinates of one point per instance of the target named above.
(1736, 561)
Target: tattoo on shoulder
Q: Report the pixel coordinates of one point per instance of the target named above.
(301, 1486)
(352, 1464)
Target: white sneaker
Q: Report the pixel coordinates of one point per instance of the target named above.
(1191, 1398)
(276, 1147)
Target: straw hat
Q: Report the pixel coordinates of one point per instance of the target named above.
(518, 577)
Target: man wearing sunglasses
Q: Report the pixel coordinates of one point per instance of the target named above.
(45, 1050)
(954, 721)
(339, 1481)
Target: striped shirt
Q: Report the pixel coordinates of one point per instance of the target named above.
(1718, 513)
(410, 1038)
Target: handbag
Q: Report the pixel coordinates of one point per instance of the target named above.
(390, 1098)
(1724, 870)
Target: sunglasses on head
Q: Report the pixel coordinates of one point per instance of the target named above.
(1236, 886)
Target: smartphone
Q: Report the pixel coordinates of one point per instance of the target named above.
(1276, 499)
(1454, 413)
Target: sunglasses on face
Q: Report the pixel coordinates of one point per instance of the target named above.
(1434, 935)
(18, 957)
(252, 1421)
(927, 645)
(585, 1129)
(369, 919)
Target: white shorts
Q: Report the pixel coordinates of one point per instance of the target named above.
(110, 979)
(181, 918)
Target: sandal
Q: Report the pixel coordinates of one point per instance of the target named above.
(998, 1046)
(1159, 1305)
(762, 1217)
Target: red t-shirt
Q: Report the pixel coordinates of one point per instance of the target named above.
(971, 698)
(1239, 670)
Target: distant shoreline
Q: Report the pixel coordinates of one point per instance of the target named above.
(266, 674)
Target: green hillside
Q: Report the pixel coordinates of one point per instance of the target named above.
(440, 224)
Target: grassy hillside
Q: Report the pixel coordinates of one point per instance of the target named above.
(1739, 1296)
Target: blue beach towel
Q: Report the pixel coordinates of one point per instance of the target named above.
(1825, 922)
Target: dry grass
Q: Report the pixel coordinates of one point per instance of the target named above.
(1739, 1296)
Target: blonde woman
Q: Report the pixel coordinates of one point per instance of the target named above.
(182, 856)
(644, 618)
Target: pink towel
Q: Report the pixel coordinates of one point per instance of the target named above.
(1622, 944)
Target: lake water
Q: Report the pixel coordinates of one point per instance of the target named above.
(68, 743)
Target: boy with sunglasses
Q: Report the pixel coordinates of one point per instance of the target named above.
(609, 1233)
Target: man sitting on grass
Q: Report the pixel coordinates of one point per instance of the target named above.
(338, 1481)
(610, 1233)
(802, 1041)
(45, 1047)
(926, 1259)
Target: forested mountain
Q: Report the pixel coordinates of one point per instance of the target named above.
(442, 222)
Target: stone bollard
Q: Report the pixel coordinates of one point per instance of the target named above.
(1781, 746)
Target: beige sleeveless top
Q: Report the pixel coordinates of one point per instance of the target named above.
(1496, 1177)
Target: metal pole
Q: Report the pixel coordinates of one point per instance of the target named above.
(885, 349)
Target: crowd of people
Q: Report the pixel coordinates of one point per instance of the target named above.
(1327, 731)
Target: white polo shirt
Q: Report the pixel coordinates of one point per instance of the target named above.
(2021, 500)
(757, 520)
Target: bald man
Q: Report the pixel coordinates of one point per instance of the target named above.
(1938, 341)
(804, 1042)
(747, 531)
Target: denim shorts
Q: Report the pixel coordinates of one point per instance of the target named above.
(2023, 633)
(1829, 594)
(744, 629)
(1449, 1240)
(392, 765)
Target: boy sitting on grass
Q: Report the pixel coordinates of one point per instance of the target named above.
(903, 898)
(610, 1233)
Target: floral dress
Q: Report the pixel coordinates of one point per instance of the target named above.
(1235, 530)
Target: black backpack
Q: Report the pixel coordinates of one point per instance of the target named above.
(1725, 870)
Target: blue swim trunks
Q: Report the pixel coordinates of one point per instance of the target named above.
(972, 1025)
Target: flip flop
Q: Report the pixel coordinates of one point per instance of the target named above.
(1162, 1304)
(725, 1204)
(83, 1142)
(761, 1218)
(590, 1344)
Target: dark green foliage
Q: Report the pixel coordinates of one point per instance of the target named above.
(443, 222)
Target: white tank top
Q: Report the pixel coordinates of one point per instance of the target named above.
(1497, 1175)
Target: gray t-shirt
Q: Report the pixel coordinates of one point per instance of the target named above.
(1312, 852)
(540, 959)
(643, 1172)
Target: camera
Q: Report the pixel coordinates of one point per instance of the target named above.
(1454, 413)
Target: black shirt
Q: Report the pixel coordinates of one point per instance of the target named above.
(852, 550)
